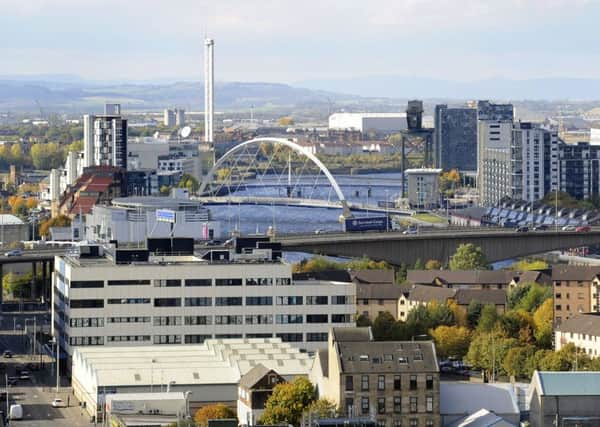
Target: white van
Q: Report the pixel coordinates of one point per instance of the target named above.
(16, 412)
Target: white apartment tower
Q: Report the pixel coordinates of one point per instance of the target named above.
(105, 138)
(209, 102)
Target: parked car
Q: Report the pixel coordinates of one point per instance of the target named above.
(15, 412)
(541, 227)
(522, 229)
(583, 229)
(568, 228)
(58, 403)
(411, 230)
(7, 354)
(24, 375)
(14, 252)
(12, 380)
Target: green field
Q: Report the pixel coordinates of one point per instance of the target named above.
(427, 217)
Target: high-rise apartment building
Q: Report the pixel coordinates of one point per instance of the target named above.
(168, 118)
(105, 138)
(455, 138)
(580, 169)
(535, 164)
(180, 117)
(494, 140)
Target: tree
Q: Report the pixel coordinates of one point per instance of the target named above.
(418, 264)
(433, 264)
(488, 318)
(212, 412)
(362, 321)
(383, 325)
(223, 174)
(488, 350)
(189, 182)
(57, 221)
(47, 156)
(366, 263)
(529, 265)
(323, 408)
(75, 146)
(474, 313)
(516, 362)
(535, 296)
(468, 257)
(451, 340)
(17, 285)
(542, 320)
(288, 402)
(285, 121)
(315, 264)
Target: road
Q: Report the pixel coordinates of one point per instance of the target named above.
(37, 393)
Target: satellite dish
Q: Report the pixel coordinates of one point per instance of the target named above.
(156, 135)
(185, 131)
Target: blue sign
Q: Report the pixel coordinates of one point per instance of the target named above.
(165, 215)
(369, 223)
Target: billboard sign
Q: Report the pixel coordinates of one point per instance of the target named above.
(369, 223)
(165, 215)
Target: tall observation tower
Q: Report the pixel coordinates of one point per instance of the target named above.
(209, 102)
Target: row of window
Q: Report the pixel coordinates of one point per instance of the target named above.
(203, 301)
(396, 404)
(381, 382)
(262, 281)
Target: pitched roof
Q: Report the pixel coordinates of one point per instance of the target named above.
(482, 418)
(461, 276)
(378, 291)
(585, 323)
(254, 375)
(458, 397)
(350, 334)
(323, 355)
(430, 293)
(573, 272)
(484, 296)
(373, 276)
(568, 383)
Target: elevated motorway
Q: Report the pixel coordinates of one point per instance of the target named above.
(439, 244)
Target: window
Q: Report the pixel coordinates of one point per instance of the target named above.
(290, 337)
(198, 282)
(289, 318)
(198, 302)
(73, 341)
(294, 300)
(228, 320)
(341, 318)
(167, 339)
(85, 284)
(128, 338)
(413, 382)
(259, 335)
(348, 405)
(403, 360)
(167, 302)
(557, 296)
(316, 318)
(364, 405)
(228, 282)
(364, 382)
(317, 300)
(283, 281)
(429, 403)
(429, 382)
(429, 422)
(259, 319)
(228, 301)
(316, 336)
(349, 383)
(397, 404)
(86, 303)
(413, 404)
(227, 336)
(128, 282)
(167, 283)
(381, 382)
(196, 339)
(197, 320)
(397, 423)
(128, 301)
(259, 282)
(397, 382)
(414, 422)
(381, 405)
(132, 319)
(86, 322)
(259, 300)
(341, 299)
(167, 320)
(558, 307)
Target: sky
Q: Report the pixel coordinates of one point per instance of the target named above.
(295, 41)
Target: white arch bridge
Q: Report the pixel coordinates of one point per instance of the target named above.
(268, 162)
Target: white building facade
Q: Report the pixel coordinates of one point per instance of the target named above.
(365, 122)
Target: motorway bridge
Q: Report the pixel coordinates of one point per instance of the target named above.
(498, 244)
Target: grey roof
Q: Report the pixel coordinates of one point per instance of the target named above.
(378, 291)
(431, 293)
(352, 334)
(458, 398)
(461, 276)
(569, 383)
(387, 356)
(254, 375)
(373, 276)
(484, 296)
(482, 418)
(573, 272)
(585, 323)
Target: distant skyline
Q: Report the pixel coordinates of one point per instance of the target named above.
(292, 42)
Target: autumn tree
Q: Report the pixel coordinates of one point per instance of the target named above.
(488, 350)
(189, 182)
(433, 264)
(217, 411)
(516, 362)
(288, 402)
(323, 408)
(542, 319)
(57, 221)
(468, 257)
(285, 121)
(451, 340)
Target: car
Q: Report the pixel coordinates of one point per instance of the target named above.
(14, 252)
(24, 375)
(583, 229)
(318, 231)
(410, 231)
(59, 403)
(12, 380)
(542, 227)
(568, 228)
(7, 354)
(522, 229)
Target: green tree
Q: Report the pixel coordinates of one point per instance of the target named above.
(474, 313)
(216, 411)
(535, 296)
(488, 350)
(542, 319)
(366, 263)
(468, 257)
(17, 285)
(323, 408)
(315, 264)
(75, 146)
(418, 264)
(383, 326)
(288, 402)
(362, 321)
(47, 156)
(529, 265)
(488, 318)
(451, 340)
(516, 362)
(189, 182)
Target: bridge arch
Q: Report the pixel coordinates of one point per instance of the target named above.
(276, 141)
